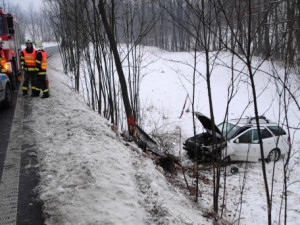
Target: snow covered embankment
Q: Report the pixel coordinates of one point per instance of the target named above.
(88, 176)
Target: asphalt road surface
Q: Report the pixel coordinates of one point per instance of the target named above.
(19, 168)
(6, 117)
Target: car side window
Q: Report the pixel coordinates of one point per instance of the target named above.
(276, 130)
(241, 130)
(246, 137)
(254, 136)
(266, 134)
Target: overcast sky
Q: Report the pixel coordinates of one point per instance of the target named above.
(36, 4)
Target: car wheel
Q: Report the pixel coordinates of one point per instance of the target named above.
(274, 155)
(8, 97)
(12, 79)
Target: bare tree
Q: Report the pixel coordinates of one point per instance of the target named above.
(122, 80)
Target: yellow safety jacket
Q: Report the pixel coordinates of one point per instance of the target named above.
(41, 62)
(28, 61)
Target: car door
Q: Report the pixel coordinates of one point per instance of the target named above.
(269, 141)
(246, 146)
(279, 139)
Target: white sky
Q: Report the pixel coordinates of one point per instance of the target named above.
(36, 4)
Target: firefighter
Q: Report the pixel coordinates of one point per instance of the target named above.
(28, 66)
(3, 68)
(41, 67)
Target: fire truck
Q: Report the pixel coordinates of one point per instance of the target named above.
(9, 33)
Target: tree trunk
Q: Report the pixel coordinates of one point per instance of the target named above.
(118, 63)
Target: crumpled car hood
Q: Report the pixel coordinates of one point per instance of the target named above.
(206, 123)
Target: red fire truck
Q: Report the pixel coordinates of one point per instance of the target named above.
(9, 33)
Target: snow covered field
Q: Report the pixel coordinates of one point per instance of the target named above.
(90, 176)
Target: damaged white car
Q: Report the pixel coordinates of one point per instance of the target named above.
(237, 140)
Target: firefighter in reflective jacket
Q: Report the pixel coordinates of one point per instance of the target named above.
(3, 66)
(41, 67)
(28, 66)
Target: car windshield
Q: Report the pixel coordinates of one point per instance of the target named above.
(228, 130)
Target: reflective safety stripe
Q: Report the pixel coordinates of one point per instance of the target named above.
(42, 73)
(25, 88)
(46, 90)
(44, 65)
(41, 64)
(30, 69)
(44, 61)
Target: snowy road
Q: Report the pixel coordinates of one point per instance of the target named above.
(9, 185)
(20, 173)
(6, 118)
(19, 168)
(19, 179)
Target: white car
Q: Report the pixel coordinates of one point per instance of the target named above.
(237, 140)
(5, 91)
(243, 143)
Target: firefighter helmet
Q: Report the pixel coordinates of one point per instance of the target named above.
(28, 41)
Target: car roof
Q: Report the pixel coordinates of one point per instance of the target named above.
(252, 121)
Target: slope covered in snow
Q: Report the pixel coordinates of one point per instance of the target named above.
(90, 176)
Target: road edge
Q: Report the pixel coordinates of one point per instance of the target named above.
(9, 186)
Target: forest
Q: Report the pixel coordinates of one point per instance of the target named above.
(267, 29)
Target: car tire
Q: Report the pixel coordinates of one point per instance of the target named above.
(12, 79)
(274, 155)
(8, 97)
